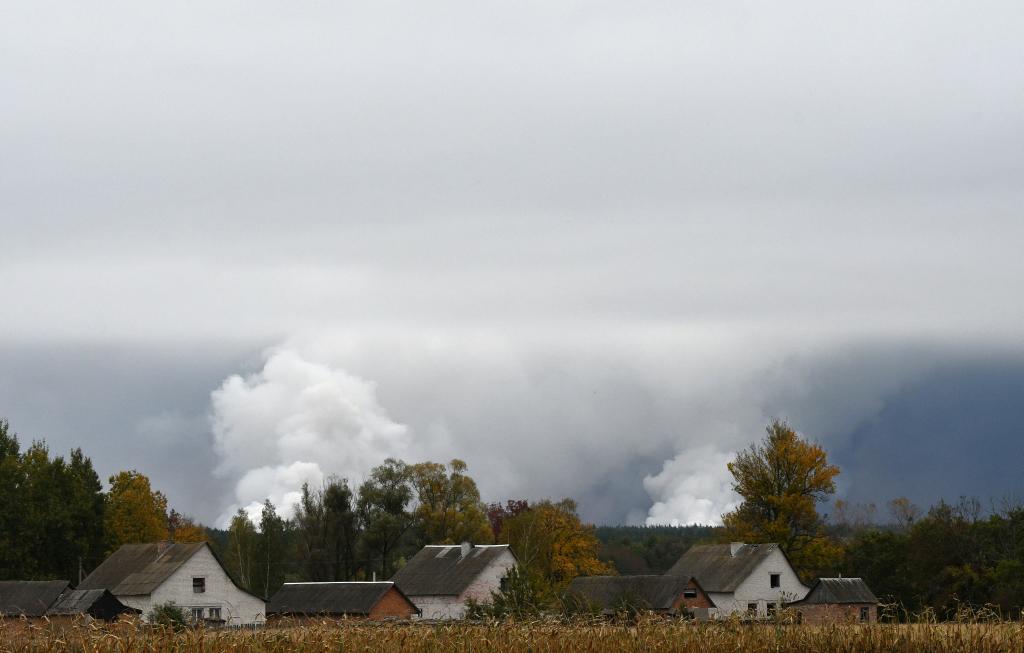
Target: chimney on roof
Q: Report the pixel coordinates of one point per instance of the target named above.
(466, 548)
(734, 547)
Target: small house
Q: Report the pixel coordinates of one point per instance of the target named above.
(188, 574)
(752, 580)
(368, 600)
(666, 595)
(837, 600)
(442, 577)
(55, 600)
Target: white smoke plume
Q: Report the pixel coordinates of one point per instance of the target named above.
(298, 421)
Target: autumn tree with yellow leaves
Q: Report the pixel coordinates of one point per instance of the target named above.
(134, 511)
(449, 508)
(782, 480)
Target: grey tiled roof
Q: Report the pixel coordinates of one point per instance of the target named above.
(442, 570)
(138, 569)
(330, 598)
(716, 569)
(29, 598)
(839, 590)
(97, 603)
(655, 592)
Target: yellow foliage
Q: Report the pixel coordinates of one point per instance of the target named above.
(134, 512)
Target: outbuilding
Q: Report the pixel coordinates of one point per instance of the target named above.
(837, 600)
(55, 600)
(368, 600)
(666, 595)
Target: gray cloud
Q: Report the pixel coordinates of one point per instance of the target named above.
(535, 228)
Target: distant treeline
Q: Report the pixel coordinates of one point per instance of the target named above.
(650, 549)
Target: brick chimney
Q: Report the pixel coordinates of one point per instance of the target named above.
(734, 547)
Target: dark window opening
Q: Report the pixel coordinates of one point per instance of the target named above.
(775, 580)
(752, 608)
(865, 613)
(690, 593)
(772, 609)
(215, 613)
(198, 585)
(503, 584)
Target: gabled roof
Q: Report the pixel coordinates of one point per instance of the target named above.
(717, 568)
(441, 570)
(331, 598)
(839, 590)
(29, 598)
(97, 603)
(656, 592)
(138, 569)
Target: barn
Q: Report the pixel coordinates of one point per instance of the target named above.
(837, 600)
(367, 600)
(54, 599)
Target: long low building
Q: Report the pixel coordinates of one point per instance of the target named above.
(335, 600)
(667, 595)
(52, 599)
(837, 600)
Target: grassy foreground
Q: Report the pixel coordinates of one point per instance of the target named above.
(647, 635)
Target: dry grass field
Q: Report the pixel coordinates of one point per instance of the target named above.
(647, 635)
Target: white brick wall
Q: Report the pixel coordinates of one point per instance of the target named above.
(454, 607)
(757, 588)
(236, 606)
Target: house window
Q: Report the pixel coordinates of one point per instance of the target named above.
(773, 608)
(214, 613)
(503, 584)
(752, 609)
(775, 580)
(690, 593)
(197, 614)
(198, 585)
(865, 614)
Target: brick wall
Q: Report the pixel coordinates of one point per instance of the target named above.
(700, 601)
(392, 604)
(829, 613)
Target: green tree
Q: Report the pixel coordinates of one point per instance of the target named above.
(449, 508)
(383, 513)
(241, 551)
(134, 511)
(270, 556)
(327, 530)
(781, 481)
(14, 546)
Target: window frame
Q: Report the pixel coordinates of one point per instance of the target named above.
(199, 584)
(865, 614)
(775, 581)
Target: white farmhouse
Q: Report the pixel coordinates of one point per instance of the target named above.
(188, 574)
(752, 579)
(442, 577)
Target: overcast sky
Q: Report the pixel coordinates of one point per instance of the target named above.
(589, 247)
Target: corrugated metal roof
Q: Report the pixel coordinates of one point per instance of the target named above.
(839, 590)
(138, 569)
(330, 598)
(443, 571)
(654, 592)
(29, 598)
(716, 568)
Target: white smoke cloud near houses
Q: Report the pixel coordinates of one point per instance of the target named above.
(297, 421)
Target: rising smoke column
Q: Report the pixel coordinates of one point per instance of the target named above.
(298, 421)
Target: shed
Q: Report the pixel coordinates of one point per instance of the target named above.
(29, 598)
(372, 600)
(832, 600)
(668, 595)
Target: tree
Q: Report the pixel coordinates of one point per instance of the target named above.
(327, 530)
(553, 544)
(134, 513)
(497, 514)
(383, 513)
(782, 480)
(241, 549)
(270, 551)
(449, 509)
(181, 528)
(13, 544)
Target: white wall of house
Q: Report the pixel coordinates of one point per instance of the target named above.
(756, 588)
(454, 607)
(236, 606)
